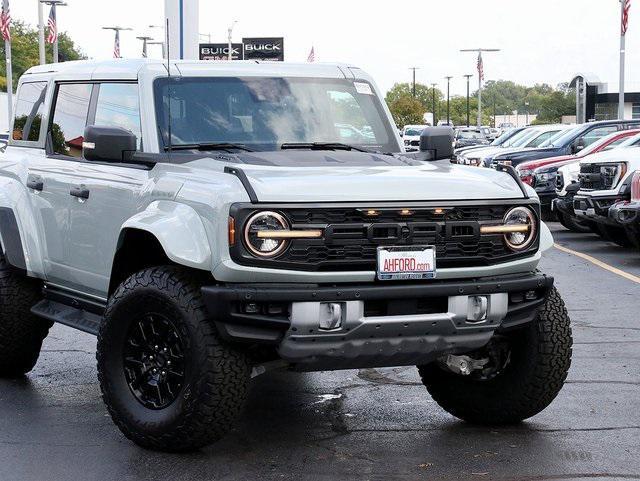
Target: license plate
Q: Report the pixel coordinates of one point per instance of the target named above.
(406, 263)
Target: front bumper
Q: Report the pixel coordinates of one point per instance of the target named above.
(595, 208)
(626, 214)
(382, 324)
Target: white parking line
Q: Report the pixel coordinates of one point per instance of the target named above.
(599, 263)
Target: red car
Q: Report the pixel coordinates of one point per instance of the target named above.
(526, 169)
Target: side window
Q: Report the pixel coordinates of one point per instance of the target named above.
(70, 118)
(118, 106)
(349, 120)
(596, 134)
(29, 110)
(615, 143)
(541, 139)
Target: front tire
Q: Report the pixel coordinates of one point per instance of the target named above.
(574, 225)
(537, 368)
(21, 333)
(167, 379)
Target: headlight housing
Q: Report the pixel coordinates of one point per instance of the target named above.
(519, 241)
(612, 174)
(265, 247)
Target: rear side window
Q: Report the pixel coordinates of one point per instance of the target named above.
(118, 106)
(596, 134)
(70, 118)
(29, 110)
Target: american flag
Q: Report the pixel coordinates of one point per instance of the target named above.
(5, 20)
(480, 67)
(52, 37)
(625, 15)
(116, 45)
(312, 55)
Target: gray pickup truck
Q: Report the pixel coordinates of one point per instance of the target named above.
(211, 221)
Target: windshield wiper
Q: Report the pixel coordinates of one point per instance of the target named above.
(321, 146)
(210, 146)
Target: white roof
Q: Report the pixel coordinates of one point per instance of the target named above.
(131, 68)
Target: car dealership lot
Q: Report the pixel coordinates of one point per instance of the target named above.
(367, 424)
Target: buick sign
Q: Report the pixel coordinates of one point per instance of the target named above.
(220, 51)
(271, 48)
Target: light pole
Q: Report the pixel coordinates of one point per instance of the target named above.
(230, 32)
(448, 107)
(54, 11)
(526, 105)
(116, 45)
(145, 42)
(480, 75)
(468, 76)
(164, 45)
(433, 99)
(414, 80)
(41, 34)
(624, 22)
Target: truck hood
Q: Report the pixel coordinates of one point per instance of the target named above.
(341, 176)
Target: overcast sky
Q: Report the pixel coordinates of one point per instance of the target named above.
(541, 41)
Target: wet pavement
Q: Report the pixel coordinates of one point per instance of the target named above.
(358, 425)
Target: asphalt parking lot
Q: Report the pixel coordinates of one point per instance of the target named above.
(367, 424)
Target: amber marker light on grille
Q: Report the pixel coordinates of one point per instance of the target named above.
(372, 213)
(289, 234)
(232, 231)
(406, 212)
(438, 211)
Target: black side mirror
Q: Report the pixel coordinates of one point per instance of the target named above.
(578, 146)
(438, 141)
(108, 144)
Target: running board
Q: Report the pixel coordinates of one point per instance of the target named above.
(69, 316)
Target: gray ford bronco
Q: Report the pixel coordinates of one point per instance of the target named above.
(211, 221)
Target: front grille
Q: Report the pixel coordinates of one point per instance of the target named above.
(351, 237)
(598, 176)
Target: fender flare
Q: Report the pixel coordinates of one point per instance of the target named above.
(178, 228)
(546, 237)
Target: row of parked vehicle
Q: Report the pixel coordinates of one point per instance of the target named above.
(586, 176)
(463, 136)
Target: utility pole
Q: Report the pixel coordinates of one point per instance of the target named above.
(145, 42)
(54, 10)
(41, 33)
(468, 76)
(230, 38)
(624, 23)
(116, 45)
(448, 105)
(526, 105)
(162, 44)
(414, 80)
(433, 99)
(480, 67)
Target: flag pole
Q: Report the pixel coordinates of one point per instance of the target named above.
(55, 42)
(480, 90)
(622, 59)
(41, 34)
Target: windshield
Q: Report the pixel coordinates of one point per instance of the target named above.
(413, 132)
(470, 134)
(549, 142)
(264, 113)
(504, 137)
(633, 141)
(541, 138)
(522, 138)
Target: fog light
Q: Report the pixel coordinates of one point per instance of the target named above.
(331, 315)
(531, 296)
(477, 308)
(251, 308)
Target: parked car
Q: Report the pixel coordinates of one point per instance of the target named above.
(572, 142)
(208, 243)
(605, 179)
(411, 136)
(500, 141)
(4, 139)
(541, 173)
(627, 213)
(467, 137)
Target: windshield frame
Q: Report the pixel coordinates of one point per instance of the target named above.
(392, 141)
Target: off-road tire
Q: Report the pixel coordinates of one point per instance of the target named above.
(571, 223)
(540, 360)
(217, 375)
(21, 333)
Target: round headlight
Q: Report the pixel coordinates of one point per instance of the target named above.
(520, 216)
(256, 228)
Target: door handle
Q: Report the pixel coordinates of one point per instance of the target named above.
(79, 191)
(35, 183)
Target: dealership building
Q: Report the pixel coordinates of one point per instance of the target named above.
(596, 101)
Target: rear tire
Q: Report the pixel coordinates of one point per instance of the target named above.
(21, 333)
(153, 318)
(617, 235)
(574, 225)
(539, 361)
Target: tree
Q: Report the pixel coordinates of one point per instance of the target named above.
(406, 110)
(24, 51)
(424, 94)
